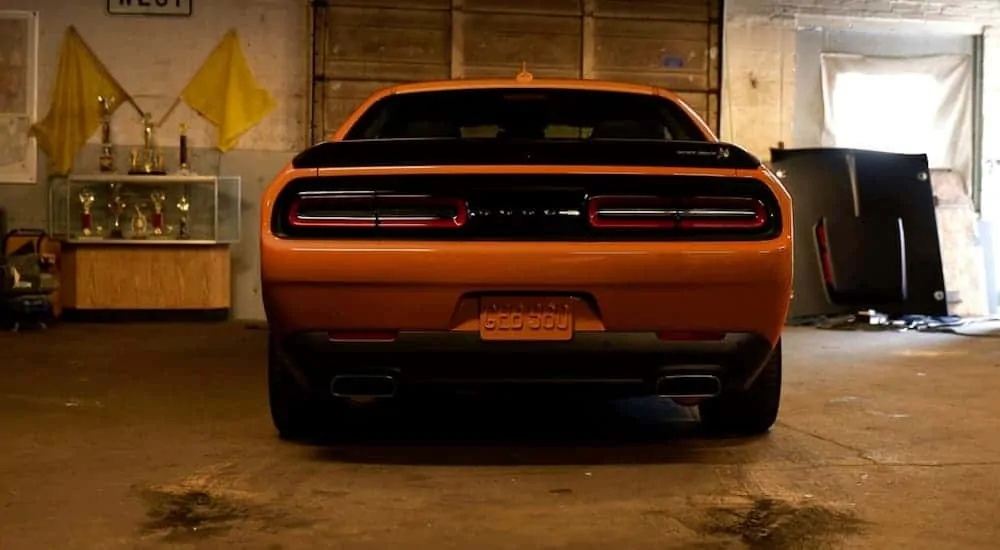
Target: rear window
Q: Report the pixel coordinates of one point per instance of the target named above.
(526, 114)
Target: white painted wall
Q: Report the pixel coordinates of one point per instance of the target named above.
(769, 92)
(760, 52)
(154, 57)
(941, 10)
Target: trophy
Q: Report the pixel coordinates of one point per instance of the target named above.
(149, 160)
(182, 229)
(86, 218)
(158, 198)
(139, 224)
(117, 208)
(107, 159)
(185, 166)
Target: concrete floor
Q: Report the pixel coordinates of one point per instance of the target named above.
(143, 436)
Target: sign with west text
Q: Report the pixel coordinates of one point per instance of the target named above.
(172, 8)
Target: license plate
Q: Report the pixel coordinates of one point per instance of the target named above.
(525, 318)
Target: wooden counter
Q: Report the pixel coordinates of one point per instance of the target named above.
(145, 275)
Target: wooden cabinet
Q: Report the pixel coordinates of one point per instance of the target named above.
(145, 242)
(168, 275)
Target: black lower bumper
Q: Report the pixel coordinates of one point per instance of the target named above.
(623, 363)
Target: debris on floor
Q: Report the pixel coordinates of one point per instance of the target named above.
(872, 320)
(775, 525)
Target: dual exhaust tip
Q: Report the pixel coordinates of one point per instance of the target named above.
(678, 386)
(688, 386)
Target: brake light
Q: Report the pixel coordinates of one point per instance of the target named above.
(370, 210)
(694, 213)
(333, 210)
(420, 211)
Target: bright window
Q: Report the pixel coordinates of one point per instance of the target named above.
(886, 112)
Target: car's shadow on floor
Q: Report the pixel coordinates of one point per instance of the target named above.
(459, 432)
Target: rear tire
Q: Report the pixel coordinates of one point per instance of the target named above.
(295, 412)
(749, 412)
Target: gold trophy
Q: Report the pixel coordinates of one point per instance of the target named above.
(107, 159)
(86, 217)
(149, 160)
(117, 207)
(139, 223)
(183, 205)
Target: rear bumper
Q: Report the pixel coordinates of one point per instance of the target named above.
(627, 287)
(621, 363)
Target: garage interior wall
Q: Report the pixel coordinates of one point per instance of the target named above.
(773, 94)
(361, 46)
(964, 259)
(153, 58)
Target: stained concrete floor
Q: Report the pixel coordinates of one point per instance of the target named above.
(157, 436)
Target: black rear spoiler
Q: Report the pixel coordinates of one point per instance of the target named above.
(600, 152)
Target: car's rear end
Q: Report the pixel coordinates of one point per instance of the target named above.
(635, 266)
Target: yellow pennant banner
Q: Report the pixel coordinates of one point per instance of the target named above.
(75, 113)
(225, 92)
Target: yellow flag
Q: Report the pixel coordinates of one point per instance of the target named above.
(225, 92)
(75, 113)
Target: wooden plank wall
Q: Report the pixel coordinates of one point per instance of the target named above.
(363, 45)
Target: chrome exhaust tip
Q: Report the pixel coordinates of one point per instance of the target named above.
(688, 386)
(363, 385)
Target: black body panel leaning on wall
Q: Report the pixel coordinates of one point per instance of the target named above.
(869, 216)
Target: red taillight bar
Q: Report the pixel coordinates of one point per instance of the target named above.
(342, 202)
(428, 221)
(370, 211)
(650, 212)
(631, 212)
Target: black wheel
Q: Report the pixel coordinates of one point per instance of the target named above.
(750, 412)
(296, 413)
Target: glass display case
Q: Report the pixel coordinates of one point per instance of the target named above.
(140, 209)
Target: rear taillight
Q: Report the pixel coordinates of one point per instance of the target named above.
(370, 210)
(694, 213)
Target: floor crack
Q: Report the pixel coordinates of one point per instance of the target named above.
(863, 454)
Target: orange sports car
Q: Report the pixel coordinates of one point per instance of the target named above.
(532, 233)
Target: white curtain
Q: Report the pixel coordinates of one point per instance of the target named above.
(901, 105)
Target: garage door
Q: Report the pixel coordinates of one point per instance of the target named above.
(363, 45)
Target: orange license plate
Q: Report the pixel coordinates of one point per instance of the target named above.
(526, 318)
